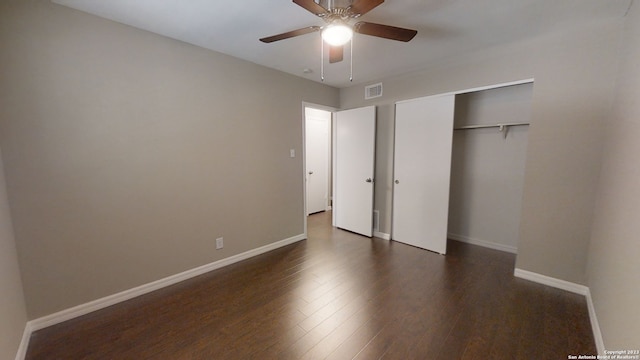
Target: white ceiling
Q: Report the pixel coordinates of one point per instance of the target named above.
(446, 28)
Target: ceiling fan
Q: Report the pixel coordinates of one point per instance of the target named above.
(337, 31)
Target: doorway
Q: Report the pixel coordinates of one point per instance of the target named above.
(339, 177)
(317, 140)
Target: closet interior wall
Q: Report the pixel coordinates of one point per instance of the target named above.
(487, 168)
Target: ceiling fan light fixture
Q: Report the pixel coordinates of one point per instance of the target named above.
(337, 34)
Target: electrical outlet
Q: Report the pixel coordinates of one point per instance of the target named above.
(219, 243)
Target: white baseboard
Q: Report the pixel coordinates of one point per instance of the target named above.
(102, 303)
(24, 343)
(483, 243)
(382, 235)
(574, 288)
(595, 326)
(553, 282)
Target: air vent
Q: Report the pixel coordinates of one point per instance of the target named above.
(373, 91)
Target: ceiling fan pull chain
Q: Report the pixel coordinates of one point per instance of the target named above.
(321, 58)
(351, 59)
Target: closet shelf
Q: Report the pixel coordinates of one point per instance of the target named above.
(503, 128)
(468, 127)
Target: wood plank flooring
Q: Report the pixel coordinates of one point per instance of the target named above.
(337, 295)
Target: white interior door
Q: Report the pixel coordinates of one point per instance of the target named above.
(355, 158)
(422, 170)
(317, 141)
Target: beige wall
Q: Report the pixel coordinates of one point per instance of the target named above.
(128, 153)
(574, 73)
(13, 313)
(614, 257)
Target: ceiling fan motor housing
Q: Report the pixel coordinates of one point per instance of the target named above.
(334, 4)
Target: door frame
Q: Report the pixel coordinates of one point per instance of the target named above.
(303, 151)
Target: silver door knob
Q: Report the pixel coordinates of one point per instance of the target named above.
(397, 181)
(369, 180)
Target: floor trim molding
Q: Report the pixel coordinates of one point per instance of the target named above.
(83, 309)
(595, 325)
(483, 243)
(553, 282)
(24, 343)
(571, 287)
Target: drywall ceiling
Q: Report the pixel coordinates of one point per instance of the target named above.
(446, 28)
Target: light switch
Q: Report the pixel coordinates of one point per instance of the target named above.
(292, 153)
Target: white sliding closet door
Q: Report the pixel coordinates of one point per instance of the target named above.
(422, 169)
(354, 158)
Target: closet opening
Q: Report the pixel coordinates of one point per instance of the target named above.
(487, 166)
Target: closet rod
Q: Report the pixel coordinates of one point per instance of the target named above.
(468, 127)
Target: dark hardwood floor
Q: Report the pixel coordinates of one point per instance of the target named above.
(337, 295)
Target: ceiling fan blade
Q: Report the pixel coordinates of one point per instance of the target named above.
(290, 34)
(336, 54)
(362, 7)
(384, 31)
(311, 6)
